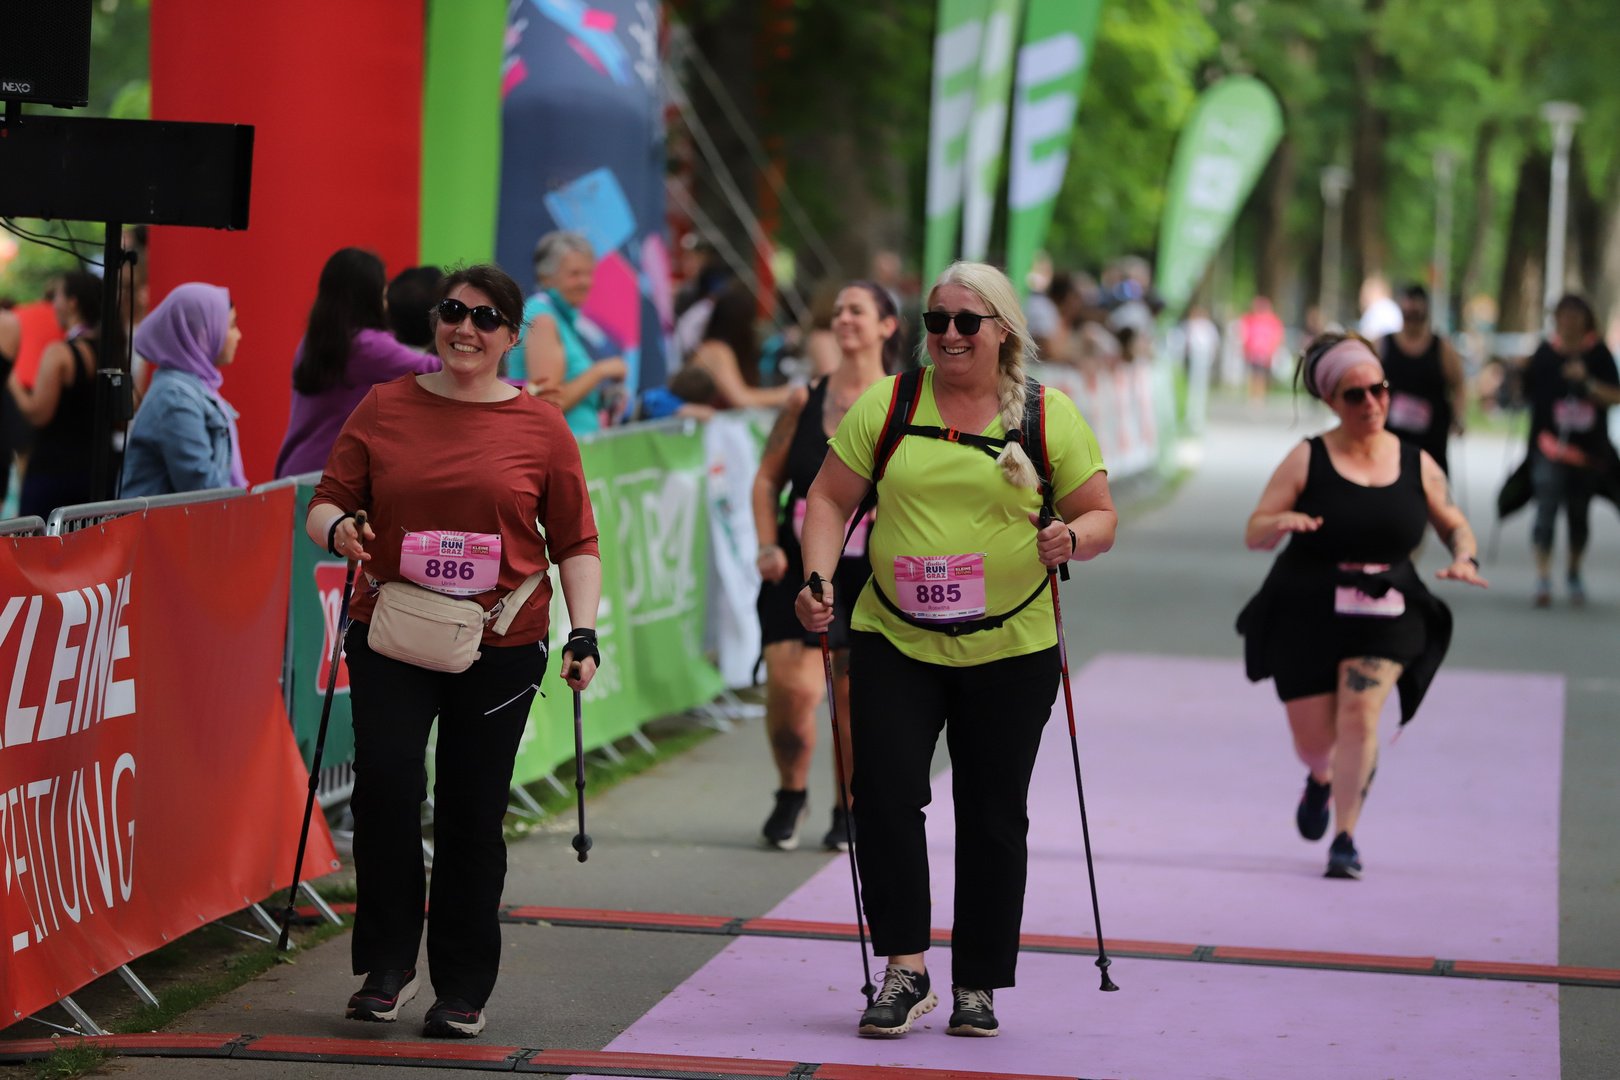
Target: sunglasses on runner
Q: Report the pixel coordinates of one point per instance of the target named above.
(484, 317)
(967, 322)
(1355, 395)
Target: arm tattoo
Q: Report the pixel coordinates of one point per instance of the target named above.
(1449, 500)
(782, 431)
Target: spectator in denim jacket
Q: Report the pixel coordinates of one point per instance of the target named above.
(184, 436)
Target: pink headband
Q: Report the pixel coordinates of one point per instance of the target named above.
(1324, 376)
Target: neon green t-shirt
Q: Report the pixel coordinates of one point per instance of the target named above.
(940, 499)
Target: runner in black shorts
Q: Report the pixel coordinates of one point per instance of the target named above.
(866, 327)
(1343, 616)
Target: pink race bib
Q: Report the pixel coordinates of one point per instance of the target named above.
(857, 541)
(456, 563)
(1408, 413)
(1349, 600)
(940, 588)
(1573, 414)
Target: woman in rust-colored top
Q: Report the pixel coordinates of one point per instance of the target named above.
(452, 460)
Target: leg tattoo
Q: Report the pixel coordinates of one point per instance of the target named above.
(1366, 676)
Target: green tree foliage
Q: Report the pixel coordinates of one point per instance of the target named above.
(1138, 93)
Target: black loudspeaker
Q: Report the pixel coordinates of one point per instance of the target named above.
(45, 52)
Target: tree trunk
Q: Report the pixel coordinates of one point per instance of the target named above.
(1520, 299)
(1368, 248)
(1584, 261)
(1606, 299)
(728, 41)
(1484, 212)
(1271, 276)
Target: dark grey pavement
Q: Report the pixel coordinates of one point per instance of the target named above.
(682, 837)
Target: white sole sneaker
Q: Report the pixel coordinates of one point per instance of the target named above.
(385, 1016)
(792, 842)
(926, 1005)
(444, 1028)
(973, 1032)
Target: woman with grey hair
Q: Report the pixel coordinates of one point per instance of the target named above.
(551, 358)
(953, 631)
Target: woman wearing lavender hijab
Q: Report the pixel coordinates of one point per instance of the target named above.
(184, 435)
(1343, 617)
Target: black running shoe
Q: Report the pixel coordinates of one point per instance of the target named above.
(782, 827)
(1312, 815)
(452, 1018)
(842, 831)
(904, 997)
(383, 994)
(1343, 859)
(974, 1014)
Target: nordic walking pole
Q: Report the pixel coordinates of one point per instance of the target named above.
(290, 913)
(582, 839)
(1074, 746)
(843, 797)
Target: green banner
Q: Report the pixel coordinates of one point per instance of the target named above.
(317, 592)
(647, 492)
(461, 130)
(957, 37)
(1052, 62)
(987, 133)
(1228, 140)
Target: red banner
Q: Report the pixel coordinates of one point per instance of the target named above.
(149, 781)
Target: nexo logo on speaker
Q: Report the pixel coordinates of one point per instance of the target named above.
(9, 87)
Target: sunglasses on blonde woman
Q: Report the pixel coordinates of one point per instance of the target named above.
(1356, 395)
(484, 317)
(967, 322)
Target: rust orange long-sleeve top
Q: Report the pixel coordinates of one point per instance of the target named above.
(416, 461)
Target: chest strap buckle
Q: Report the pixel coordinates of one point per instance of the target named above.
(951, 435)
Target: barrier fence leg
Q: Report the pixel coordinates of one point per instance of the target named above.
(557, 785)
(642, 741)
(320, 903)
(529, 805)
(80, 1017)
(266, 921)
(133, 981)
(611, 752)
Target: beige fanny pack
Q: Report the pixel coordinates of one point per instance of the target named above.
(435, 631)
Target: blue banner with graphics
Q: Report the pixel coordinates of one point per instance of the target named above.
(583, 149)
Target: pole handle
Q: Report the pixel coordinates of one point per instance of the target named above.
(815, 584)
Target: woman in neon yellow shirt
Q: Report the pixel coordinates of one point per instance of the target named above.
(953, 631)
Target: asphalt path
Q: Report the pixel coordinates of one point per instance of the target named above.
(683, 836)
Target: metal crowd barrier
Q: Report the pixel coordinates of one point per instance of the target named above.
(32, 525)
(66, 519)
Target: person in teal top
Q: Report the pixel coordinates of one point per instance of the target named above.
(551, 357)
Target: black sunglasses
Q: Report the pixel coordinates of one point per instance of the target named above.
(484, 317)
(967, 322)
(1356, 395)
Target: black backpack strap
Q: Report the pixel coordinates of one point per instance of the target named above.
(1033, 440)
(902, 408)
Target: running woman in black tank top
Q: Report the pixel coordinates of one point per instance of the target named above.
(61, 405)
(866, 327)
(1343, 617)
(1426, 385)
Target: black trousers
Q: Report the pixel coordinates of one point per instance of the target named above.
(992, 715)
(481, 712)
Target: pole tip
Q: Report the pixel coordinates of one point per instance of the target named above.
(1103, 964)
(582, 844)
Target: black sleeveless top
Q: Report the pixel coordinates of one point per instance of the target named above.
(1293, 619)
(806, 453)
(1417, 385)
(777, 620)
(65, 446)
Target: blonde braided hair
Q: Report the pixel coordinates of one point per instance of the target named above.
(992, 286)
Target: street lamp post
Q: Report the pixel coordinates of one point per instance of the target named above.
(1444, 162)
(1335, 182)
(1563, 116)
